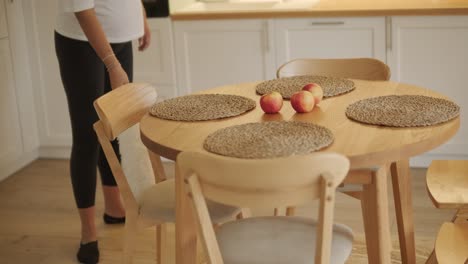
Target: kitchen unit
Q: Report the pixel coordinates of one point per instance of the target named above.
(18, 130)
(431, 51)
(424, 43)
(213, 53)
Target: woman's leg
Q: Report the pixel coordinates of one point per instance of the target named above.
(83, 79)
(113, 204)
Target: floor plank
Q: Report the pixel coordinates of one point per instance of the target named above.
(39, 222)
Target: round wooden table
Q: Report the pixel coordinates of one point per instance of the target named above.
(365, 145)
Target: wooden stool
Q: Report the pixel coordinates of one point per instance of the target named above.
(447, 185)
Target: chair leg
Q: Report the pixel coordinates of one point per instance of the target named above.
(279, 211)
(432, 258)
(244, 213)
(161, 244)
(290, 211)
(131, 228)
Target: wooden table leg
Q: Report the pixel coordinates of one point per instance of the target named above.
(374, 201)
(186, 230)
(432, 258)
(402, 194)
(157, 166)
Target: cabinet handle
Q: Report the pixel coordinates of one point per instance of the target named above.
(389, 33)
(327, 23)
(266, 36)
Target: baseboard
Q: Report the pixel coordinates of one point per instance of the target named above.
(54, 152)
(425, 160)
(422, 161)
(18, 164)
(64, 153)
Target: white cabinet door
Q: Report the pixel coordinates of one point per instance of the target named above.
(22, 75)
(330, 38)
(217, 52)
(52, 111)
(10, 132)
(156, 64)
(3, 23)
(432, 52)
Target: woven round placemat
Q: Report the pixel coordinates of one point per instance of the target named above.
(268, 139)
(202, 107)
(403, 111)
(331, 86)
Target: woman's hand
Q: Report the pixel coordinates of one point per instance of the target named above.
(144, 42)
(117, 76)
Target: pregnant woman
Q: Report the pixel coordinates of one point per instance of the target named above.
(94, 51)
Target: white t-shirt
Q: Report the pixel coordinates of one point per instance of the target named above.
(122, 20)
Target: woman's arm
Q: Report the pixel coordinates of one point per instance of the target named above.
(98, 40)
(145, 40)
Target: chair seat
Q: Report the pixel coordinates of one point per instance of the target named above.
(158, 203)
(278, 240)
(452, 243)
(447, 181)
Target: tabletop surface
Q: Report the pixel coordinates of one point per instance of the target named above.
(328, 8)
(365, 145)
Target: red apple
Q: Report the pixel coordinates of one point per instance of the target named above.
(271, 103)
(303, 101)
(316, 91)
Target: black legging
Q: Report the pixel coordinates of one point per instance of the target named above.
(85, 78)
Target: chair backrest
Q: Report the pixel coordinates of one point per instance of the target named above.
(119, 112)
(359, 68)
(264, 182)
(124, 107)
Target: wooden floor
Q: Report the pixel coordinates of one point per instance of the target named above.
(39, 223)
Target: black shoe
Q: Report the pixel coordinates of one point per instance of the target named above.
(110, 220)
(88, 253)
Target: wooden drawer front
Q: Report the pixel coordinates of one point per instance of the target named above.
(3, 23)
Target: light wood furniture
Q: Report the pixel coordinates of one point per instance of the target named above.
(328, 8)
(365, 146)
(372, 70)
(447, 185)
(452, 243)
(262, 183)
(362, 68)
(146, 203)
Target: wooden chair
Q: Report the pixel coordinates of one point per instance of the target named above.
(447, 185)
(262, 183)
(362, 68)
(358, 68)
(146, 203)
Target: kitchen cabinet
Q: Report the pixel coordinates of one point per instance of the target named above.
(3, 22)
(211, 53)
(330, 38)
(433, 52)
(50, 101)
(10, 132)
(156, 64)
(18, 130)
(215, 52)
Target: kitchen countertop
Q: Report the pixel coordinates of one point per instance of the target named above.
(322, 8)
